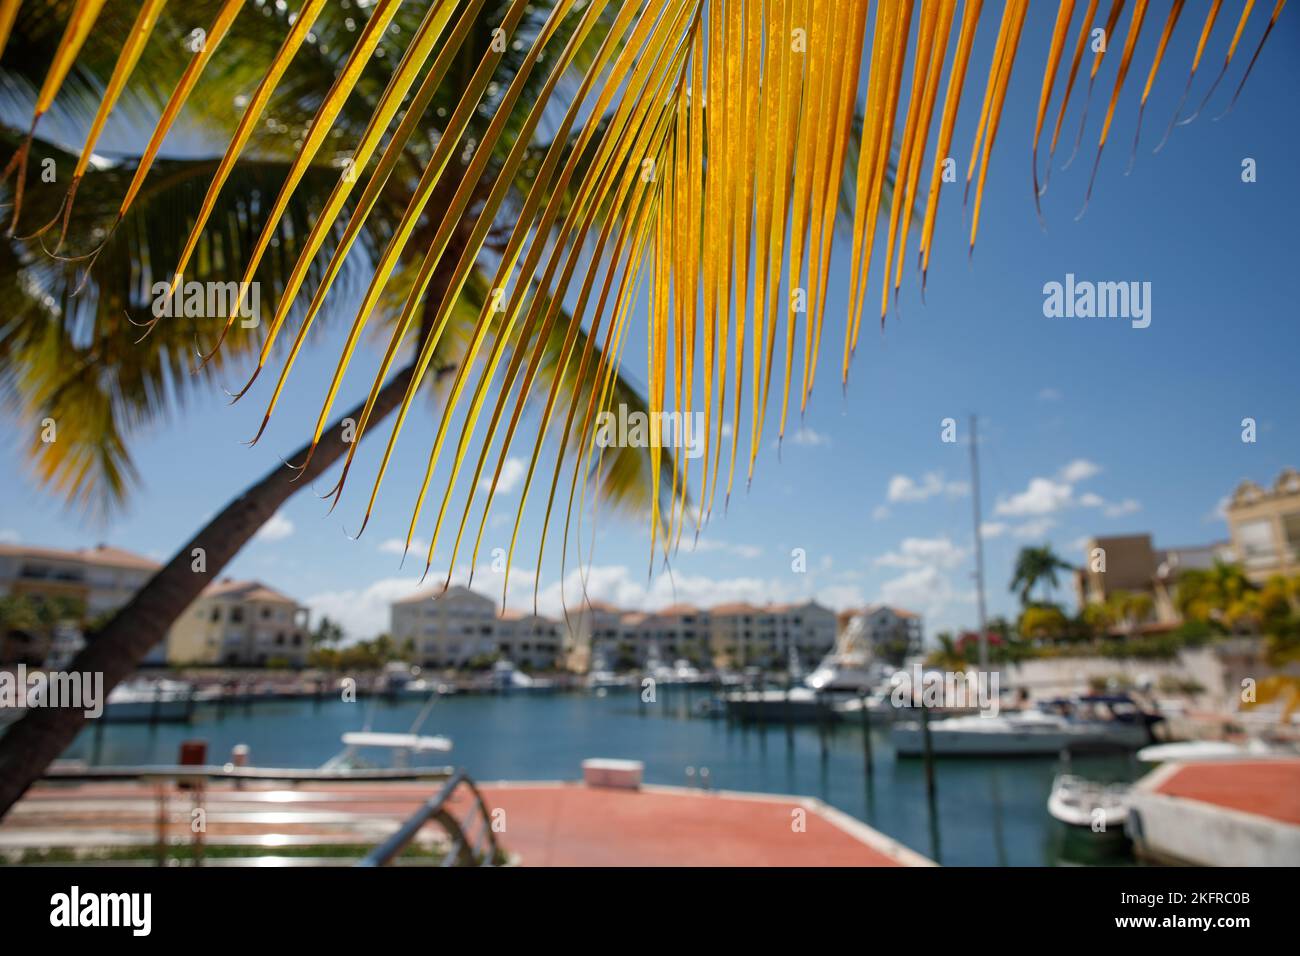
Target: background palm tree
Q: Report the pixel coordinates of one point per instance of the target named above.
(1035, 566)
(76, 358)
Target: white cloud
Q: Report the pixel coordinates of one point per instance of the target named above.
(705, 545)
(1090, 500)
(880, 513)
(1050, 395)
(904, 488)
(1081, 469)
(1117, 510)
(9, 536)
(512, 476)
(993, 529)
(806, 436)
(1035, 528)
(930, 593)
(1043, 496)
(277, 529)
(363, 613)
(923, 552)
(398, 546)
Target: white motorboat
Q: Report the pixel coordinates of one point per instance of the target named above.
(508, 679)
(400, 747)
(1082, 723)
(1099, 807)
(145, 700)
(681, 672)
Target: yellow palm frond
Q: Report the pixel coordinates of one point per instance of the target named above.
(692, 176)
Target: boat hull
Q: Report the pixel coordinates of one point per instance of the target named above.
(909, 741)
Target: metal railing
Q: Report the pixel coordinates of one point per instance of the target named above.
(466, 848)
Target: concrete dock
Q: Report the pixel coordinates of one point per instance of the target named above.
(1219, 813)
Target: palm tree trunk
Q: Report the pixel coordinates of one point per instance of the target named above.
(40, 736)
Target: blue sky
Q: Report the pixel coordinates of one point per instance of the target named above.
(1088, 426)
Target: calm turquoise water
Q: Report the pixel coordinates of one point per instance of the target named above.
(988, 812)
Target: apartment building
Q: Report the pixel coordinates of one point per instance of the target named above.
(743, 635)
(1264, 524)
(99, 579)
(449, 627)
(679, 631)
(240, 623)
(530, 640)
(892, 627)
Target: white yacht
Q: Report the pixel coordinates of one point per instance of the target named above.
(1081, 723)
(851, 667)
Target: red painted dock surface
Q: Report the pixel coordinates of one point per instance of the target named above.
(1266, 788)
(545, 824)
(575, 825)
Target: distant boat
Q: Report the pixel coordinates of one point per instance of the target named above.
(798, 705)
(682, 671)
(1099, 807)
(508, 679)
(1083, 723)
(168, 701)
(400, 747)
(851, 667)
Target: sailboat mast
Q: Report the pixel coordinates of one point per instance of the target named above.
(979, 544)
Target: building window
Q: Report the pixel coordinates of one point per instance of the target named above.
(237, 615)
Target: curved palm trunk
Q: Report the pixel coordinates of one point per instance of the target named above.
(40, 736)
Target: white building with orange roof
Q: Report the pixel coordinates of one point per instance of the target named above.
(240, 623)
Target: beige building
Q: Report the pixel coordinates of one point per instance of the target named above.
(1132, 564)
(101, 579)
(448, 627)
(240, 623)
(1265, 526)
